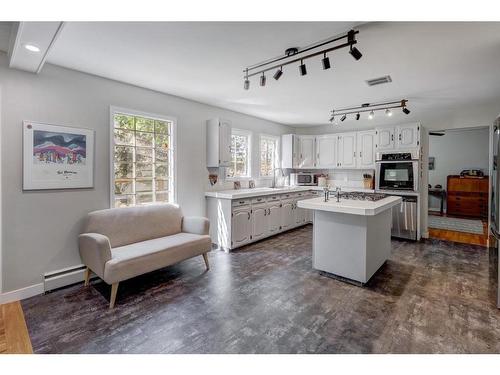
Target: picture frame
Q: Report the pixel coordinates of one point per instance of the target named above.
(57, 157)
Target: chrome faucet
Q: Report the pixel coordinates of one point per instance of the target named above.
(274, 175)
(338, 190)
(326, 191)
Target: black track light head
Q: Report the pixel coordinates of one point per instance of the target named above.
(406, 111)
(326, 62)
(278, 74)
(358, 116)
(302, 68)
(332, 118)
(246, 85)
(355, 53)
(343, 117)
(262, 80)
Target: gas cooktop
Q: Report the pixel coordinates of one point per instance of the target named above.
(355, 195)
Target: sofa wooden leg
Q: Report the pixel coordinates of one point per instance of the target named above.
(114, 290)
(205, 258)
(87, 276)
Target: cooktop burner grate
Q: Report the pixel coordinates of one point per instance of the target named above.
(373, 197)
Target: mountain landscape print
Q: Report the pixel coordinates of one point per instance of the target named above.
(59, 148)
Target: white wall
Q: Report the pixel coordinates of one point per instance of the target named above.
(455, 151)
(40, 228)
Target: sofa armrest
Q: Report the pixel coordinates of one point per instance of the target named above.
(95, 251)
(195, 224)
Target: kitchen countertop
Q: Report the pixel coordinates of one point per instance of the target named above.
(255, 192)
(350, 206)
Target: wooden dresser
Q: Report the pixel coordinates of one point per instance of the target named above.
(467, 196)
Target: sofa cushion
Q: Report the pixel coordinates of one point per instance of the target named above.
(128, 225)
(146, 256)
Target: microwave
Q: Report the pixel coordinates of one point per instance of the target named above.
(304, 179)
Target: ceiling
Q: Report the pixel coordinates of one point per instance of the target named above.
(436, 66)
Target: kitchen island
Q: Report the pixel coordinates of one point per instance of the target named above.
(352, 237)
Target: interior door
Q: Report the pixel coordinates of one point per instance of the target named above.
(241, 225)
(326, 148)
(307, 154)
(347, 150)
(259, 222)
(407, 136)
(365, 145)
(385, 139)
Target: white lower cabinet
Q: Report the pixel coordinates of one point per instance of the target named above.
(259, 222)
(252, 219)
(274, 218)
(241, 224)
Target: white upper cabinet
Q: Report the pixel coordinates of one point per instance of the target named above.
(408, 136)
(365, 145)
(218, 143)
(346, 150)
(307, 151)
(402, 137)
(385, 139)
(290, 151)
(326, 151)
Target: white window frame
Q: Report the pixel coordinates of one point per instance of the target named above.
(173, 165)
(277, 153)
(246, 133)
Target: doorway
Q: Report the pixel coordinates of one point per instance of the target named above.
(458, 203)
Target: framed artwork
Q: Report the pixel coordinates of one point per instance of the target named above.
(57, 157)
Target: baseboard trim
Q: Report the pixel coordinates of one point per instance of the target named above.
(23, 293)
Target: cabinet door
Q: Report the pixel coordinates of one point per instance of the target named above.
(347, 150)
(307, 154)
(300, 214)
(385, 139)
(259, 222)
(225, 142)
(274, 218)
(407, 136)
(287, 215)
(241, 227)
(365, 145)
(326, 150)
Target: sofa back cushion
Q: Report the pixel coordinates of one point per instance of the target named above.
(127, 225)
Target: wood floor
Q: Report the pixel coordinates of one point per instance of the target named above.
(14, 338)
(461, 237)
(429, 297)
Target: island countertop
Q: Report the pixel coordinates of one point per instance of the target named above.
(350, 206)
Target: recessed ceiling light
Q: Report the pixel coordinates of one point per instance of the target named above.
(32, 48)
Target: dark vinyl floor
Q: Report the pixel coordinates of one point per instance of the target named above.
(430, 297)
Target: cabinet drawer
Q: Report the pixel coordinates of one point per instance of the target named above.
(287, 196)
(273, 198)
(258, 200)
(314, 193)
(241, 202)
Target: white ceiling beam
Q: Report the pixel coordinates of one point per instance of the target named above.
(42, 35)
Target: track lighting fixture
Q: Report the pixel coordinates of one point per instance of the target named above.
(302, 68)
(371, 109)
(262, 80)
(296, 55)
(355, 53)
(278, 74)
(326, 62)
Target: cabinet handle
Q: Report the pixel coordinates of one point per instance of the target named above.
(269, 211)
(265, 212)
(400, 137)
(360, 154)
(355, 154)
(392, 137)
(249, 216)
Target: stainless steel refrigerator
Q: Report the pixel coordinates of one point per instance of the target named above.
(495, 199)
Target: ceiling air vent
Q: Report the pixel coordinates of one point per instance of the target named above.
(379, 80)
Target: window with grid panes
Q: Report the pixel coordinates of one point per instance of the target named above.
(240, 154)
(142, 160)
(268, 155)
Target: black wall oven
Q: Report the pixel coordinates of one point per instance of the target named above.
(396, 171)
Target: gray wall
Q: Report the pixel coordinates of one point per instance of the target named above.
(455, 151)
(40, 228)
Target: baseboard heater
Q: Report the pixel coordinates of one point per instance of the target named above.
(64, 277)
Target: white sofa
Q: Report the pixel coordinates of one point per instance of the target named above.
(121, 243)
